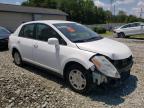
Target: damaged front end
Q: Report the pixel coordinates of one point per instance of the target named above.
(106, 70)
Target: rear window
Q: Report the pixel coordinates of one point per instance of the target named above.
(3, 31)
(27, 31)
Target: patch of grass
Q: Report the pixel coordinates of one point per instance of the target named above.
(107, 34)
(137, 36)
(110, 34)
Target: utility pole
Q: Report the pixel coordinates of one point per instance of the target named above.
(141, 11)
(113, 8)
(98, 1)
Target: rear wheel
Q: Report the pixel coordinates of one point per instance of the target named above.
(79, 79)
(17, 58)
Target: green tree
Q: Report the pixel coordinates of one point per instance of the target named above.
(83, 11)
(108, 16)
(41, 3)
(122, 17)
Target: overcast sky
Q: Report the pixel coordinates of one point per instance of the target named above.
(129, 6)
(12, 1)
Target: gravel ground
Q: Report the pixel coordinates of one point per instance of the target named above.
(31, 87)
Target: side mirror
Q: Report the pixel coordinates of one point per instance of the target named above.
(53, 41)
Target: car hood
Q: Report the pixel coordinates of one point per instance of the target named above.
(110, 48)
(117, 29)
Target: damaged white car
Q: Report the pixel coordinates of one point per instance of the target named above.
(79, 55)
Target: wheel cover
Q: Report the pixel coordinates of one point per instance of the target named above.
(17, 58)
(122, 35)
(77, 79)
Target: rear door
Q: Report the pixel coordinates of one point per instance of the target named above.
(135, 28)
(26, 41)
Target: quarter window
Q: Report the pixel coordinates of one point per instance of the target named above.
(136, 24)
(27, 31)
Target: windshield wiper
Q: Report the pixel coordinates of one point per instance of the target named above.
(79, 41)
(93, 38)
(90, 39)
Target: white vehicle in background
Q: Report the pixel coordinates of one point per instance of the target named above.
(129, 29)
(75, 52)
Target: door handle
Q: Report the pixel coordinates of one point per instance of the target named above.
(18, 42)
(36, 46)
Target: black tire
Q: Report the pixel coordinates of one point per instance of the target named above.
(17, 58)
(87, 75)
(121, 35)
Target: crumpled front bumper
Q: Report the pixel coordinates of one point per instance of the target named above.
(99, 78)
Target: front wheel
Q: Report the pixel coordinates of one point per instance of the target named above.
(79, 79)
(121, 35)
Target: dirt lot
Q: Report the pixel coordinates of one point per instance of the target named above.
(33, 87)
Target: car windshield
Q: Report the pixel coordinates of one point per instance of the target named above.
(77, 33)
(3, 31)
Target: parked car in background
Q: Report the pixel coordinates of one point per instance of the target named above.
(79, 55)
(129, 29)
(4, 37)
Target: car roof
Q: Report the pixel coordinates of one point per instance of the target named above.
(133, 23)
(129, 24)
(49, 21)
(4, 28)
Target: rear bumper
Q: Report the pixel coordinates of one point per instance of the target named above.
(3, 43)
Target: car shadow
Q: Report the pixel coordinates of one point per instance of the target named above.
(50, 75)
(129, 37)
(135, 38)
(114, 95)
(108, 95)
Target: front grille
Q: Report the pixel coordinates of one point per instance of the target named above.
(119, 64)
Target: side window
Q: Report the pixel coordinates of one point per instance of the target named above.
(126, 26)
(27, 31)
(44, 32)
(134, 25)
(137, 24)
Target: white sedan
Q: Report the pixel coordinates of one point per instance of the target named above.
(79, 55)
(129, 29)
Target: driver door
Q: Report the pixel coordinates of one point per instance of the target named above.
(46, 55)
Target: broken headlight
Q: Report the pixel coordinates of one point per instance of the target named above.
(105, 66)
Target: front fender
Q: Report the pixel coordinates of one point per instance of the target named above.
(84, 62)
